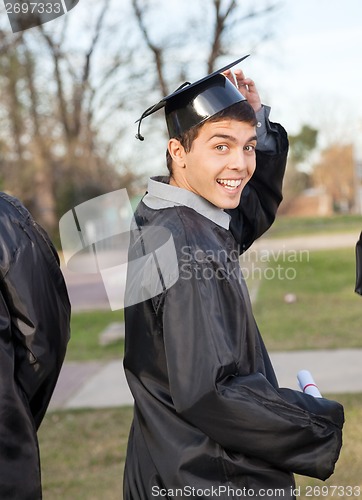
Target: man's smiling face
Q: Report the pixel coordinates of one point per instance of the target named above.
(220, 162)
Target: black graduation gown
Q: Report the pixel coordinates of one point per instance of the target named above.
(208, 410)
(34, 332)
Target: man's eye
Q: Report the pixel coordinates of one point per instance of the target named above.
(221, 147)
(249, 147)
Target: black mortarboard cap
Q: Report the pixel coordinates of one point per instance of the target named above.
(193, 103)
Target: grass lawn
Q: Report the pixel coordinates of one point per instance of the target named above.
(85, 330)
(327, 312)
(83, 453)
(285, 226)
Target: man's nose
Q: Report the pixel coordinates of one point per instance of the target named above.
(238, 161)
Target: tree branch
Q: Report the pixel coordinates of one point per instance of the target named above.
(219, 28)
(79, 91)
(157, 51)
(56, 55)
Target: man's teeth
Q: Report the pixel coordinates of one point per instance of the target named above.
(229, 183)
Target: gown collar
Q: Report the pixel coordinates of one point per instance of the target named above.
(160, 194)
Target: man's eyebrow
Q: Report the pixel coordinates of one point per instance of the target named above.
(223, 136)
(230, 138)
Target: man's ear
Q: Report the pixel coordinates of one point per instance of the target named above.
(177, 152)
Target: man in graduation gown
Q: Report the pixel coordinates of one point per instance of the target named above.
(209, 418)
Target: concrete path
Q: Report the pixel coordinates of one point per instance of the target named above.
(307, 242)
(100, 385)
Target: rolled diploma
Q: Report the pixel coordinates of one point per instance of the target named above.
(307, 384)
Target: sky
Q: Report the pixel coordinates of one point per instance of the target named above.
(314, 72)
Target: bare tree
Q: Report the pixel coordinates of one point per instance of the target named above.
(53, 131)
(71, 105)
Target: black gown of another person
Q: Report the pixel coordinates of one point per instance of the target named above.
(358, 288)
(35, 329)
(209, 413)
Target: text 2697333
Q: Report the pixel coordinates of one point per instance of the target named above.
(33, 8)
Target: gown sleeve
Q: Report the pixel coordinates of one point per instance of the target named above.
(34, 331)
(36, 308)
(220, 392)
